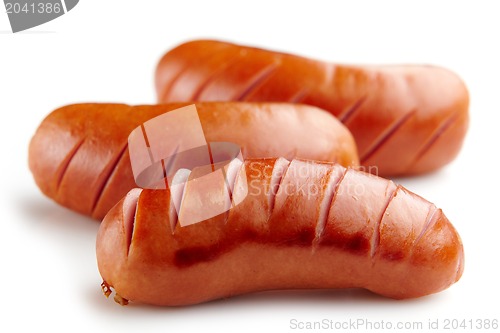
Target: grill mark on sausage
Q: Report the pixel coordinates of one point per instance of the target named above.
(129, 245)
(230, 185)
(146, 140)
(432, 218)
(189, 256)
(331, 192)
(173, 213)
(167, 168)
(66, 162)
(186, 66)
(258, 80)
(173, 216)
(445, 125)
(214, 75)
(170, 84)
(349, 113)
(130, 224)
(299, 96)
(386, 135)
(109, 170)
(275, 183)
(376, 232)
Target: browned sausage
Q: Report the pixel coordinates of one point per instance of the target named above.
(301, 225)
(405, 119)
(79, 155)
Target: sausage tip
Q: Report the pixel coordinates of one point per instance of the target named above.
(120, 300)
(106, 289)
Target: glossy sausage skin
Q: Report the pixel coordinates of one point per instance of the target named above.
(405, 119)
(79, 155)
(302, 225)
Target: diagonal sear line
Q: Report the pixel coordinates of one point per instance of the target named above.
(228, 186)
(330, 196)
(112, 168)
(147, 143)
(299, 96)
(186, 66)
(376, 232)
(214, 75)
(431, 220)
(132, 233)
(435, 136)
(209, 148)
(349, 113)
(258, 80)
(392, 130)
(274, 192)
(165, 180)
(65, 164)
(167, 168)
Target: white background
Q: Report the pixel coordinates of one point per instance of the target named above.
(107, 51)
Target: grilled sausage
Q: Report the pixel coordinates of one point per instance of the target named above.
(79, 155)
(405, 119)
(295, 225)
